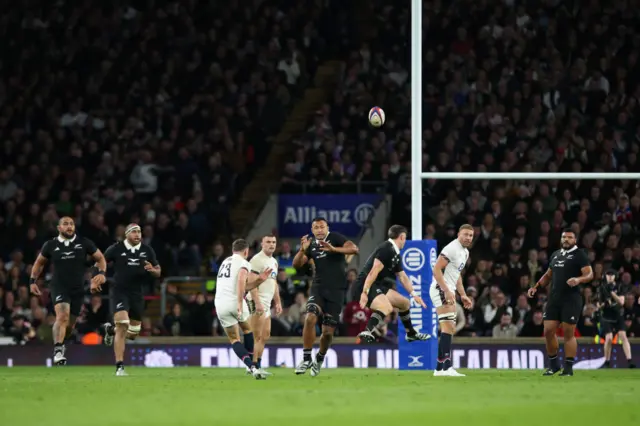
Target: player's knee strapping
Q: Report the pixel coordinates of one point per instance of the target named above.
(134, 330)
(312, 308)
(448, 316)
(377, 318)
(122, 323)
(329, 321)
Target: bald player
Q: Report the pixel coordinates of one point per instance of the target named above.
(68, 253)
(259, 299)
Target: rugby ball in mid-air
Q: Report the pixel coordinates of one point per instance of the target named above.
(376, 116)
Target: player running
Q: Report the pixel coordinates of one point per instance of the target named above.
(68, 252)
(231, 308)
(259, 299)
(452, 261)
(326, 251)
(568, 268)
(378, 277)
(611, 300)
(134, 263)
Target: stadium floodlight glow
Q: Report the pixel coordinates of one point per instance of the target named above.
(416, 119)
(530, 176)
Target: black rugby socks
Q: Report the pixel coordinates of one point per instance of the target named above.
(444, 352)
(405, 317)
(242, 353)
(554, 362)
(376, 318)
(568, 364)
(306, 355)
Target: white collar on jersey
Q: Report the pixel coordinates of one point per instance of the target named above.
(324, 239)
(569, 251)
(130, 247)
(395, 247)
(65, 241)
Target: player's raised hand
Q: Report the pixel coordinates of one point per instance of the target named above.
(265, 274)
(35, 289)
(363, 300)
(420, 301)
(325, 246)
(467, 302)
(304, 243)
(531, 292)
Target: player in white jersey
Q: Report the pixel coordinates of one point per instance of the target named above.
(452, 261)
(231, 308)
(259, 299)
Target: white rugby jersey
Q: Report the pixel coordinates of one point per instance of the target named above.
(227, 282)
(259, 263)
(457, 256)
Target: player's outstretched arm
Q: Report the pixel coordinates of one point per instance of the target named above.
(406, 283)
(256, 280)
(36, 270)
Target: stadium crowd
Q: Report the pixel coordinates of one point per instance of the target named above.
(159, 117)
(133, 111)
(548, 87)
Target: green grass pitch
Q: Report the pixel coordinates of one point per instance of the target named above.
(93, 396)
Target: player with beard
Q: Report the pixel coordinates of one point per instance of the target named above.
(568, 268)
(326, 251)
(259, 299)
(611, 301)
(447, 279)
(135, 265)
(68, 253)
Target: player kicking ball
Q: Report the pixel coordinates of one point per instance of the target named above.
(231, 307)
(259, 299)
(452, 260)
(378, 275)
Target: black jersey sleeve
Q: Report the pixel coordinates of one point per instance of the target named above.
(47, 249)
(582, 259)
(110, 254)
(384, 254)
(338, 240)
(90, 246)
(152, 258)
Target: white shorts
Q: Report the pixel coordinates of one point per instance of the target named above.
(227, 312)
(266, 303)
(437, 295)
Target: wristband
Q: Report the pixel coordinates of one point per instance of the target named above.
(366, 291)
(413, 293)
(101, 272)
(32, 280)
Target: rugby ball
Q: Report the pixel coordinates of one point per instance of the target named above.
(376, 116)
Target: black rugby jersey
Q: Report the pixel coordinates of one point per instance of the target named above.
(69, 259)
(330, 268)
(128, 262)
(389, 255)
(566, 264)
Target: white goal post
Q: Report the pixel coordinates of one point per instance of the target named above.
(416, 140)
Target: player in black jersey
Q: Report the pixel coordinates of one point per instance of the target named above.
(68, 252)
(568, 268)
(378, 279)
(326, 251)
(135, 264)
(610, 301)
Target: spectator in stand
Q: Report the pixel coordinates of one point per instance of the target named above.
(199, 309)
(295, 314)
(534, 326)
(21, 330)
(355, 318)
(174, 323)
(505, 329)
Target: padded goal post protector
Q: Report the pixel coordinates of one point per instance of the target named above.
(418, 261)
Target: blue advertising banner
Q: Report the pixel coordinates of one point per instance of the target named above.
(418, 261)
(346, 213)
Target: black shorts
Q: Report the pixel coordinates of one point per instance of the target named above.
(330, 302)
(566, 309)
(612, 325)
(73, 296)
(376, 290)
(128, 302)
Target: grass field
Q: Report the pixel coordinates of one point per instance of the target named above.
(84, 396)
